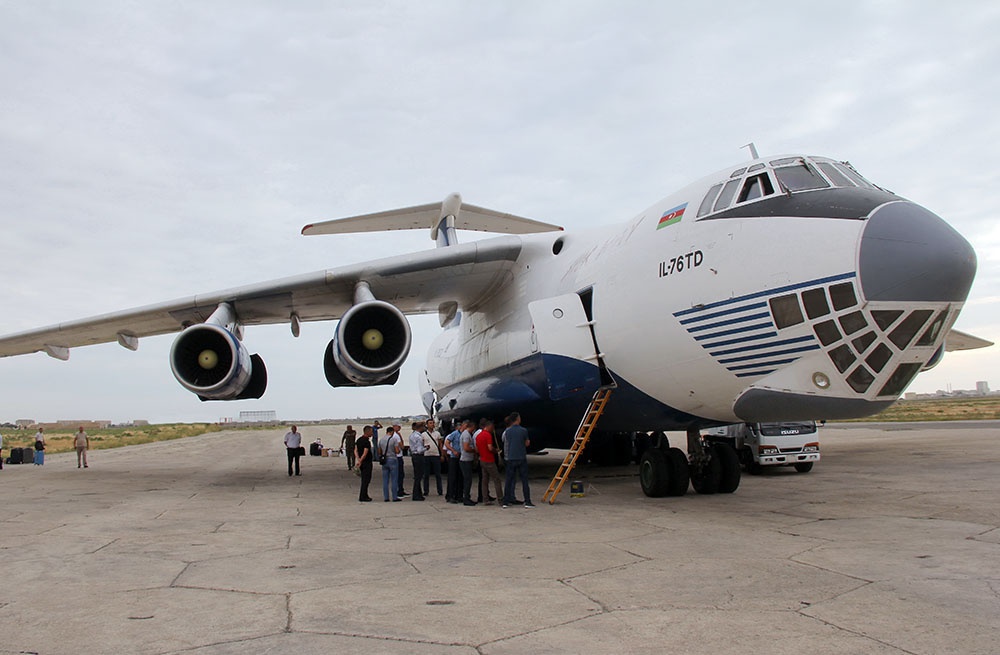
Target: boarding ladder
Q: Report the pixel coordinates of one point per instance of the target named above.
(594, 411)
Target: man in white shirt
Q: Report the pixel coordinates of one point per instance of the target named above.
(433, 457)
(417, 450)
(400, 458)
(293, 440)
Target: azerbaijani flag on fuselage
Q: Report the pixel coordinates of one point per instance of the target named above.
(672, 216)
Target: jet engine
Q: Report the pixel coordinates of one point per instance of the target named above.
(370, 345)
(209, 360)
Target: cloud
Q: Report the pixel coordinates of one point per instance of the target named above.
(155, 151)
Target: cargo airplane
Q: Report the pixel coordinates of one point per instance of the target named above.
(783, 288)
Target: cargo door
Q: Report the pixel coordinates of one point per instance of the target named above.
(562, 331)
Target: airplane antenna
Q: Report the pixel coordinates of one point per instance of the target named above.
(753, 150)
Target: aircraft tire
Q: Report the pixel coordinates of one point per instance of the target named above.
(654, 473)
(680, 478)
(729, 465)
(642, 442)
(804, 467)
(705, 478)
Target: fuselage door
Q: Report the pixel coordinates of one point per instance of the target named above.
(565, 338)
(562, 327)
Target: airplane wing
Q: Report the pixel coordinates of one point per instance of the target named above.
(961, 341)
(415, 283)
(471, 217)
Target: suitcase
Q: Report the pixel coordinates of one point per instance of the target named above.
(16, 455)
(39, 457)
(27, 455)
(315, 449)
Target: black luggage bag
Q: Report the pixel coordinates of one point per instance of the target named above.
(16, 455)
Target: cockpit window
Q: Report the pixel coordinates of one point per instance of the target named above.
(785, 176)
(706, 203)
(755, 187)
(800, 177)
(853, 175)
(727, 194)
(838, 178)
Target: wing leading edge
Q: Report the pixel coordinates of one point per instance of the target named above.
(416, 283)
(471, 217)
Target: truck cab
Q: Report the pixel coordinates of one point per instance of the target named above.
(791, 443)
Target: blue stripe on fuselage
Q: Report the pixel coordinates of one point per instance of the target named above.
(552, 392)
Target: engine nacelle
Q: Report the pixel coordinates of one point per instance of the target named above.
(209, 360)
(370, 345)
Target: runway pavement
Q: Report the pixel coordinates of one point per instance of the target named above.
(205, 545)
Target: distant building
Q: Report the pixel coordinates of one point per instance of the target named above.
(983, 388)
(140, 422)
(67, 424)
(263, 416)
(23, 423)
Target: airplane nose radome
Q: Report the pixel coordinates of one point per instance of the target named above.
(910, 254)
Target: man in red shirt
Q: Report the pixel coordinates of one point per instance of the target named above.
(487, 449)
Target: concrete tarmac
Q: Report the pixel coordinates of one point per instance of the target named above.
(205, 546)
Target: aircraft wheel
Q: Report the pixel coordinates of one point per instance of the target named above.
(804, 467)
(654, 473)
(729, 463)
(679, 476)
(642, 442)
(705, 477)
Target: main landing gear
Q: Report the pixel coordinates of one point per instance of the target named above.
(710, 467)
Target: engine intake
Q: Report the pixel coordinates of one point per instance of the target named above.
(209, 360)
(370, 345)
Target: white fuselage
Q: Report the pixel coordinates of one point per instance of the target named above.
(687, 313)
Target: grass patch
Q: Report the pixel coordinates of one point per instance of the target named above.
(941, 409)
(62, 441)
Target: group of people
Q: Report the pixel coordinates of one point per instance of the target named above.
(431, 454)
(81, 442)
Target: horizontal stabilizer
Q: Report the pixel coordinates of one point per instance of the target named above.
(961, 341)
(422, 217)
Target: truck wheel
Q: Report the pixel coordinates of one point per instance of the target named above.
(753, 467)
(679, 476)
(804, 467)
(729, 463)
(706, 476)
(654, 473)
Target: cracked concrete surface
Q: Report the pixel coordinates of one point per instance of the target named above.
(205, 545)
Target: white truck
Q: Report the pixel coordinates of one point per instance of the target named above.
(793, 443)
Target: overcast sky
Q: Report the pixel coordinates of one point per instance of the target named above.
(150, 151)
